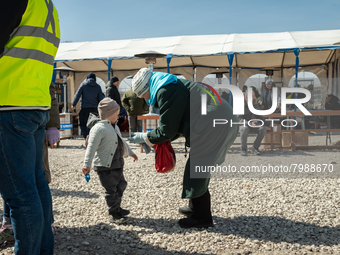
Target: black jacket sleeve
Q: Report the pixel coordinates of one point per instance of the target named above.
(113, 93)
(116, 96)
(10, 17)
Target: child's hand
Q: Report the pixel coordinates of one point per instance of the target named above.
(86, 170)
(134, 157)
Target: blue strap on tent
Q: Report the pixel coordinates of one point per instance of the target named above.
(230, 59)
(168, 60)
(54, 76)
(109, 64)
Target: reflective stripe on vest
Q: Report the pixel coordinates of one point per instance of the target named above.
(26, 65)
(36, 32)
(30, 54)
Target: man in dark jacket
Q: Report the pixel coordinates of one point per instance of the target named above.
(255, 127)
(113, 93)
(91, 94)
(134, 107)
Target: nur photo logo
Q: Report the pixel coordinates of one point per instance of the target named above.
(239, 103)
(204, 98)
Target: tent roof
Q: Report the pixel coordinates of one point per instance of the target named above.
(205, 50)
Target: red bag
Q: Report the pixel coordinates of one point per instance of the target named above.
(124, 126)
(165, 157)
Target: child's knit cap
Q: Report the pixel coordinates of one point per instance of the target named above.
(107, 107)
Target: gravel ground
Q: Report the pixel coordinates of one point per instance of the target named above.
(251, 215)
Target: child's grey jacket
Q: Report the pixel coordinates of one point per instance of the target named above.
(103, 142)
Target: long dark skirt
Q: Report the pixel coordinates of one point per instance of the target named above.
(208, 144)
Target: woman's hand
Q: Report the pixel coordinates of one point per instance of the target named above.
(137, 137)
(86, 170)
(52, 136)
(134, 157)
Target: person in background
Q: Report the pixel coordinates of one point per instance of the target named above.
(257, 94)
(52, 136)
(30, 36)
(332, 103)
(6, 230)
(91, 94)
(176, 99)
(107, 149)
(125, 125)
(267, 96)
(255, 127)
(225, 96)
(113, 93)
(135, 107)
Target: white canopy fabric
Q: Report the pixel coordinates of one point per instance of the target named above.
(206, 52)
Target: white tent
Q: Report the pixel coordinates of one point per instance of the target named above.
(318, 52)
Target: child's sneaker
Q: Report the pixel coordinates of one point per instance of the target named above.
(6, 234)
(124, 212)
(118, 218)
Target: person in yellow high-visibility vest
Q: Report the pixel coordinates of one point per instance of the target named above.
(29, 41)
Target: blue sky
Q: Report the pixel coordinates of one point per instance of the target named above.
(89, 20)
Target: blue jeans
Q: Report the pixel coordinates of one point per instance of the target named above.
(6, 214)
(23, 185)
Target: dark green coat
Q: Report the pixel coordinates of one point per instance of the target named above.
(180, 115)
(173, 101)
(133, 104)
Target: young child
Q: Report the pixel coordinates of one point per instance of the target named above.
(107, 149)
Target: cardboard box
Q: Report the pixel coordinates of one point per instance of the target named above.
(276, 138)
(301, 138)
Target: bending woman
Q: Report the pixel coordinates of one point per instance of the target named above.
(179, 101)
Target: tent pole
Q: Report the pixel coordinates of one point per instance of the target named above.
(168, 60)
(54, 76)
(195, 74)
(296, 52)
(230, 59)
(333, 76)
(327, 83)
(238, 79)
(109, 63)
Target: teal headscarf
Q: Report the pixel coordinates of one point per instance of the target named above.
(158, 80)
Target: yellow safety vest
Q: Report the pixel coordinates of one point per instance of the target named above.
(26, 66)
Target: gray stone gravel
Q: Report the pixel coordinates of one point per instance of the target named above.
(251, 215)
